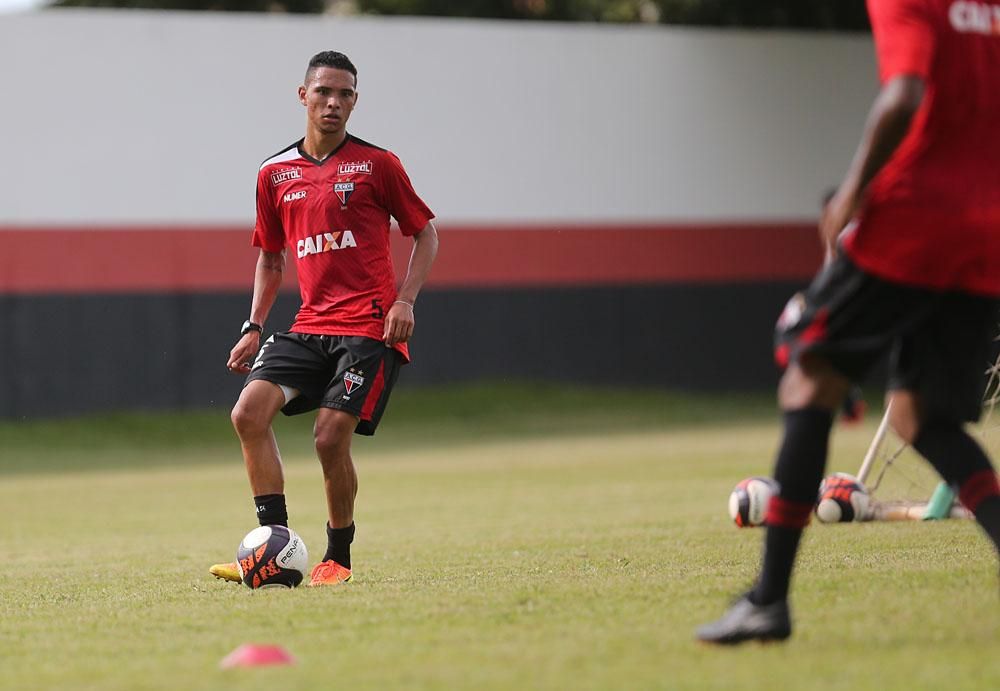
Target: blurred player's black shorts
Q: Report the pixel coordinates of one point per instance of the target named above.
(352, 373)
(939, 343)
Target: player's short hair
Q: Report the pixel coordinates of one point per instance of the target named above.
(331, 58)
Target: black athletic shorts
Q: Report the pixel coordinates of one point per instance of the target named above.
(939, 343)
(352, 373)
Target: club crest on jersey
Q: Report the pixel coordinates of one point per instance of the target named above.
(343, 190)
(353, 379)
(325, 242)
(355, 167)
(280, 176)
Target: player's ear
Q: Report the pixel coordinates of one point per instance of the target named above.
(302, 95)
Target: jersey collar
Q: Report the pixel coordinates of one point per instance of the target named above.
(316, 161)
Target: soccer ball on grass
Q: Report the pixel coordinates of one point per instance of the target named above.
(748, 500)
(272, 556)
(842, 499)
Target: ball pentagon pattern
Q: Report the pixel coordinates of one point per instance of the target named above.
(272, 556)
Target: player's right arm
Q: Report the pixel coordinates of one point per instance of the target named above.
(266, 283)
(269, 236)
(905, 42)
(888, 123)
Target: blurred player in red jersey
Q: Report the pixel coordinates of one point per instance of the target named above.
(328, 198)
(916, 273)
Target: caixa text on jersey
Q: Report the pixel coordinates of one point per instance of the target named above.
(325, 242)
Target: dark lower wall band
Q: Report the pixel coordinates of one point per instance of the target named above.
(65, 354)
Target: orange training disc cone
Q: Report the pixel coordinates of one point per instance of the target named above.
(253, 655)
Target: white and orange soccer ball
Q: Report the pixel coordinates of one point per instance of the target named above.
(748, 500)
(272, 556)
(842, 499)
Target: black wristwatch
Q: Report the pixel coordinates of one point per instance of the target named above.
(249, 326)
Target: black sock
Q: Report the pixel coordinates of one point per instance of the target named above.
(338, 544)
(963, 464)
(954, 454)
(988, 516)
(798, 472)
(271, 509)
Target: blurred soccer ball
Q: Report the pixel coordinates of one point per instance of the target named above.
(272, 556)
(748, 500)
(842, 498)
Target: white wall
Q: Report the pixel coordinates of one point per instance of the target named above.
(127, 116)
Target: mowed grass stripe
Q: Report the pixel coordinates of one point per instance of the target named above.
(425, 417)
(562, 561)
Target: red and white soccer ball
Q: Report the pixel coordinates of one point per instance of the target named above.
(842, 499)
(748, 500)
(272, 556)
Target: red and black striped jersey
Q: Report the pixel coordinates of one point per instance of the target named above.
(333, 216)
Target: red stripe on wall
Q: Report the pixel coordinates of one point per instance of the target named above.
(211, 259)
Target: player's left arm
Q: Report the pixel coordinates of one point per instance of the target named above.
(399, 320)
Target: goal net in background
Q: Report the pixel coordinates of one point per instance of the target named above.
(904, 486)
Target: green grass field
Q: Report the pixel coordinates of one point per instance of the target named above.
(508, 537)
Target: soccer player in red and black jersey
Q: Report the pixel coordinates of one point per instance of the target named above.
(916, 274)
(327, 199)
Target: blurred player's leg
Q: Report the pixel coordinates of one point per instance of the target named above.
(809, 393)
(962, 462)
(940, 384)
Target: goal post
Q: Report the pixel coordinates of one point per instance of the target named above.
(875, 446)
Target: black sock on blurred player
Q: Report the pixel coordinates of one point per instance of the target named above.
(963, 464)
(798, 471)
(271, 509)
(988, 516)
(338, 544)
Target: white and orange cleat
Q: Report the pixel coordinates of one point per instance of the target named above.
(329, 573)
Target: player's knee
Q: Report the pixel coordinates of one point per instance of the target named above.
(332, 450)
(333, 438)
(793, 393)
(905, 427)
(248, 422)
(904, 415)
(811, 384)
(328, 444)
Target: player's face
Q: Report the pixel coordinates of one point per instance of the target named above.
(329, 98)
